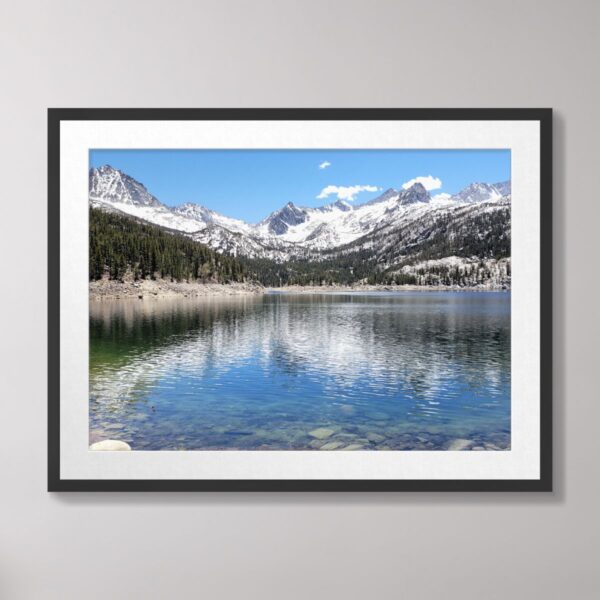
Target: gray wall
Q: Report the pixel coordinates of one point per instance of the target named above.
(419, 53)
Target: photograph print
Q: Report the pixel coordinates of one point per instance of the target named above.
(324, 300)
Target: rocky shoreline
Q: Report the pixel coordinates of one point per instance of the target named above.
(336, 289)
(105, 289)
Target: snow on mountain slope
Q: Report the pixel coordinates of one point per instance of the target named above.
(110, 185)
(482, 192)
(112, 189)
(503, 188)
(159, 215)
(206, 216)
(300, 232)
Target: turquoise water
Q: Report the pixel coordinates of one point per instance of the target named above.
(400, 371)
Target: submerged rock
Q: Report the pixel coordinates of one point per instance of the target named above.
(334, 445)
(110, 445)
(492, 447)
(459, 444)
(376, 438)
(321, 433)
(354, 447)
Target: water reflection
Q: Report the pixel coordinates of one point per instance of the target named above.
(394, 371)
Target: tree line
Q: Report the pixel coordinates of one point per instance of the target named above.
(120, 244)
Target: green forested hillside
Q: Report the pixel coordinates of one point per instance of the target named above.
(119, 244)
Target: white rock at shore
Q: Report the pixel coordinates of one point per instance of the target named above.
(111, 445)
(459, 444)
(321, 433)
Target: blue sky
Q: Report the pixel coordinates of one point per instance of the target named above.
(250, 184)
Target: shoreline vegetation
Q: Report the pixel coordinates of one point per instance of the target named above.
(110, 289)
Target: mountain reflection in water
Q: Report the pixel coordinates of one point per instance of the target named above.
(399, 371)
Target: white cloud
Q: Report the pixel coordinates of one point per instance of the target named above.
(324, 164)
(442, 196)
(429, 183)
(346, 192)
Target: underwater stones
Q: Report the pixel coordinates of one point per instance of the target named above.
(321, 433)
(354, 447)
(111, 446)
(333, 445)
(114, 426)
(376, 438)
(347, 409)
(459, 444)
(491, 447)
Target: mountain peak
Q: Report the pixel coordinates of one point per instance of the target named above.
(279, 221)
(415, 193)
(342, 205)
(482, 192)
(107, 169)
(114, 186)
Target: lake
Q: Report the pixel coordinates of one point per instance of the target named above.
(358, 371)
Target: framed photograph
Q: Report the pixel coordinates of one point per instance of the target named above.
(300, 300)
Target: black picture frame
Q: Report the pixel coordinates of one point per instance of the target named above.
(58, 115)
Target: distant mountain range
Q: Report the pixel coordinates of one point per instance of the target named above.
(402, 218)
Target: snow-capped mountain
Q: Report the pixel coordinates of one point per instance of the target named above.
(110, 185)
(482, 192)
(281, 220)
(403, 218)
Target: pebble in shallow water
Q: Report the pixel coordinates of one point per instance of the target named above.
(459, 444)
(331, 445)
(354, 447)
(322, 433)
